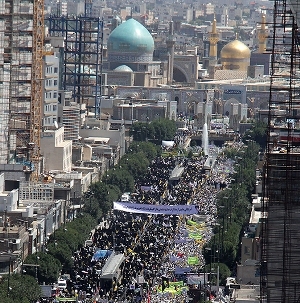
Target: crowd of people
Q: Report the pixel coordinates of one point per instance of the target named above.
(153, 245)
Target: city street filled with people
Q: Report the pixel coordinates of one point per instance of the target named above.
(156, 248)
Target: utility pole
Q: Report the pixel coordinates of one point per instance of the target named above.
(8, 279)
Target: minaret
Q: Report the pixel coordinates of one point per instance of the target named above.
(262, 36)
(213, 41)
(170, 46)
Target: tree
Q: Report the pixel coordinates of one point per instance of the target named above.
(157, 130)
(258, 134)
(190, 154)
(121, 178)
(224, 272)
(228, 256)
(48, 270)
(148, 148)
(100, 192)
(22, 289)
(91, 206)
(135, 164)
(62, 252)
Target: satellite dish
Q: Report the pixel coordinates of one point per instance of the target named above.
(55, 124)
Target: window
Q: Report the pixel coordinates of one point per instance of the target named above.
(55, 70)
(55, 95)
(54, 82)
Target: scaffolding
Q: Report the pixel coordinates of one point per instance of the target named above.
(83, 40)
(280, 237)
(16, 30)
(38, 193)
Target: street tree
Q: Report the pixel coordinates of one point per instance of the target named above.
(19, 288)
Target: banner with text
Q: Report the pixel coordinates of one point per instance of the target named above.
(156, 209)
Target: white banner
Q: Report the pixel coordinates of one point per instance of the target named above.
(156, 209)
(196, 279)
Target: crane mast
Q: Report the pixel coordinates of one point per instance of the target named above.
(36, 86)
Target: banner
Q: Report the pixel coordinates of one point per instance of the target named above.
(182, 240)
(175, 288)
(193, 261)
(156, 209)
(182, 270)
(146, 188)
(101, 254)
(196, 279)
(195, 236)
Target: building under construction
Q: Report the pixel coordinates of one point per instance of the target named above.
(16, 40)
(280, 238)
(82, 59)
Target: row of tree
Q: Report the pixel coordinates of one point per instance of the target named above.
(56, 257)
(156, 131)
(234, 203)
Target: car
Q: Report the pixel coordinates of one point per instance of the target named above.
(62, 284)
(125, 197)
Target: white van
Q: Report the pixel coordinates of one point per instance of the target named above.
(62, 284)
(125, 197)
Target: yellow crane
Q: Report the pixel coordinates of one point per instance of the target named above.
(36, 87)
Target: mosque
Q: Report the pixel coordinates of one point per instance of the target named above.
(130, 63)
(236, 60)
(129, 60)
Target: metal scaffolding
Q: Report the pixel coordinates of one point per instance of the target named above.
(16, 30)
(280, 237)
(83, 37)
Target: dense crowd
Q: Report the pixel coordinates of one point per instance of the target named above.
(151, 243)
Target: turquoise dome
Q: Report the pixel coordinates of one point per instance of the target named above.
(123, 68)
(130, 37)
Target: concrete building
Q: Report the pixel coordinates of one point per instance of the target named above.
(56, 151)
(27, 217)
(51, 75)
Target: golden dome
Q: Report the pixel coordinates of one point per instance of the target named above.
(235, 50)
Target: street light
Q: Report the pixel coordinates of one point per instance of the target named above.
(32, 265)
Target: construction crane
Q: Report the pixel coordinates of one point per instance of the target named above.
(36, 87)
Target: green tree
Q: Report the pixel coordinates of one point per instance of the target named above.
(114, 193)
(22, 289)
(157, 130)
(258, 134)
(121, 178)
(48, 267)
(135, 164)
(100, 192)
(91, 206)
(148, 148)
(62, 252)
(228, 254)
(190, 154)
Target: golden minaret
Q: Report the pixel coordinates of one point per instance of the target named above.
(213, 40)
(262, 36)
